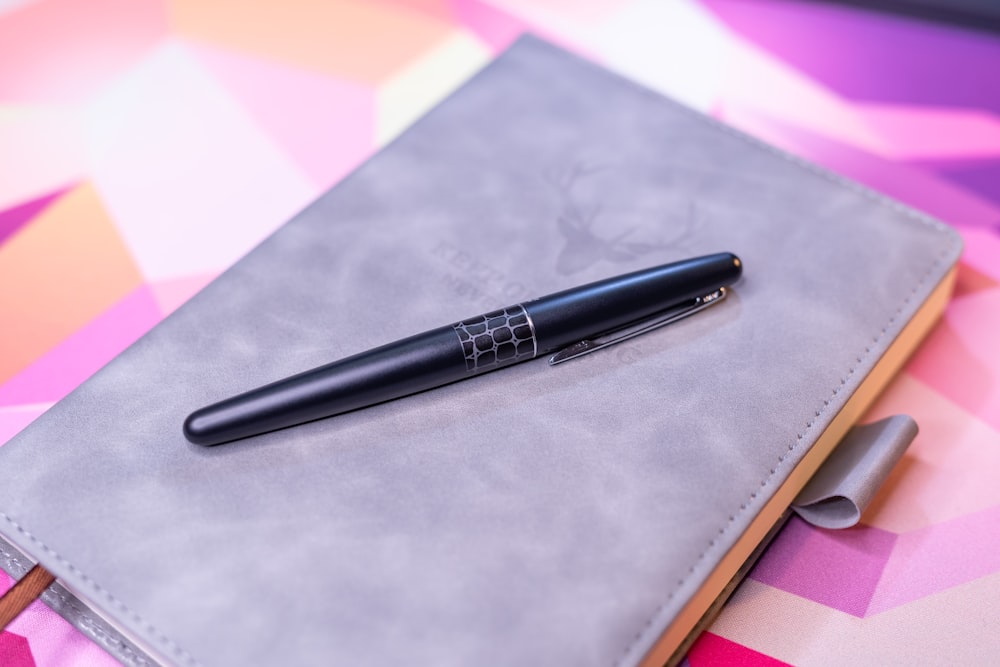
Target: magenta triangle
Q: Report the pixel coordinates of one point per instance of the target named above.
(14, 218)
(15, 651)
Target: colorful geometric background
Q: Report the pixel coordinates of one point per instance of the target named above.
(145, 145)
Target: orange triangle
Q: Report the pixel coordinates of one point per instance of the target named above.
(362, 41)
(60, 272)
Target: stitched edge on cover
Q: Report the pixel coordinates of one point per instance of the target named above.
(83, 619)
(909, 215)
(165, 642)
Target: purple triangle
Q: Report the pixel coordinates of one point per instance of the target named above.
(14, 218)
(879, 57)
(836, 568)
(982, 178)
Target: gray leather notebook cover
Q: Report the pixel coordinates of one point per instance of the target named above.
(583, 514)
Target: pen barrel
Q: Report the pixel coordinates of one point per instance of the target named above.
(458, 351)
(407, 366)
(576, 314)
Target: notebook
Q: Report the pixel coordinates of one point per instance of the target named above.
(581, 514)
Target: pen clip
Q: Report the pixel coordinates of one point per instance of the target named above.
(661, 319)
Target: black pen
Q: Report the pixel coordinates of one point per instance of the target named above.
(581, 320)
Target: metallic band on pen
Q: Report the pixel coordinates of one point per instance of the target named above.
(497, 338)
(531, 325)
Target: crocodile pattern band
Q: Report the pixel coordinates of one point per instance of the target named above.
(496, 339)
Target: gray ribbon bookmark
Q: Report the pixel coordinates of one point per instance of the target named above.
(845, 484)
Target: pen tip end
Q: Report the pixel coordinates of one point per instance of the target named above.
(195, 430)
(737, 264)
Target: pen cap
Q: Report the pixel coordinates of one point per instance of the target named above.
(570, 316)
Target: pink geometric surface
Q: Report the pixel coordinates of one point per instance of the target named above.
(75, 359)
(14, 650)
(323, 123)
(837, 568)
(968, 339)
(865, 570)
(51, 149)
(817, 108)
(952, 627)
(195, 129)
(980, 176)
(204, 158)
(51, 640)
(939, 557)
(914, 185)
(873, 56)
(62, 50)
(12, 219)
(14, 419)
(940, 477)
(711, 649)
(170, 294)
(934, 133)
(491, 25)
(982, 248)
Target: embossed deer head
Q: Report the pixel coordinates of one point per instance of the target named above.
(584, 246)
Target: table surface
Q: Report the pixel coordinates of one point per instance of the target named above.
(145, 146)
